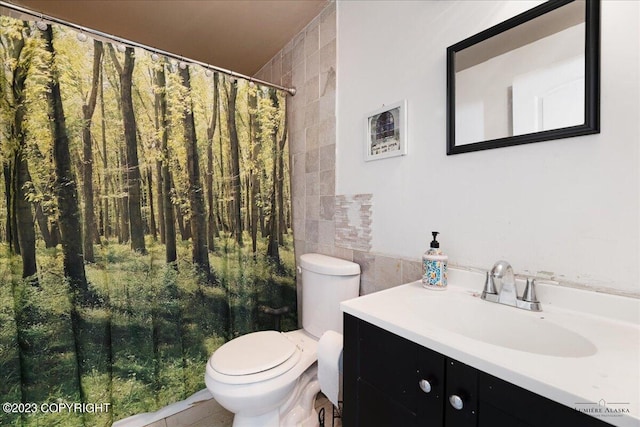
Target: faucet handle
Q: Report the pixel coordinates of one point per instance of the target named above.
(489, 286)
(530, 291)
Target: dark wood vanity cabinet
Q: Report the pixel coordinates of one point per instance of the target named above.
(391, 381)
(390, 394)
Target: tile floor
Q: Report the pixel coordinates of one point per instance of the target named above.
(209, 413)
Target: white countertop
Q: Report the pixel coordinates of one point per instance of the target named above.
(602, 378)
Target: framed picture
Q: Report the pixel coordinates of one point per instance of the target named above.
(386, 132)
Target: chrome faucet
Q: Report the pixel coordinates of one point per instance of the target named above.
(502, 275)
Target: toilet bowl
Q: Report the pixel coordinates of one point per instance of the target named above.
(256, 384)
(269, 378)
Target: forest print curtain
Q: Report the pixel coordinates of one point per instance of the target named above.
(145, 219)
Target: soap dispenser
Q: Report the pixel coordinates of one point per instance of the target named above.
(434, 266)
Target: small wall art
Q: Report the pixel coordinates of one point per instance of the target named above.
(386, 132)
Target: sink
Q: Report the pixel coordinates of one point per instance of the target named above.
(503, 326)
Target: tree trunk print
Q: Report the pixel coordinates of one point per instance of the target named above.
(199, 251)
(158, 163)
(124, 236)
(222, 191)
(87, 170)
(160, 201)
(281, 208)
(133, 168)
(6, 172)
(235, 161)
(43, 225)
(65, 185)
(132, 172)
(254, 173)
(273, 250)
(212, 229)
(169, 218)
(106, 229)
(24, 216)
(152, 214)
(24, 225)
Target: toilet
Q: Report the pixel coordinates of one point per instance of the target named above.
(269, 378)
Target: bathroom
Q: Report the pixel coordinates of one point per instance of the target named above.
(566, 210)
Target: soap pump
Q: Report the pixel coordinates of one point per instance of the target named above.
(434, 266)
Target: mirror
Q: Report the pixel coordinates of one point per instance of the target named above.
(534, 77)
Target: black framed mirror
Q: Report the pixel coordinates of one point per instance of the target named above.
(532, 78)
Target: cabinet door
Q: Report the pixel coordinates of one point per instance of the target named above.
(376, 409)
(461, 405)
(389, 363)
(491, 416)
(431, 396)
(382, 374)
(499, 399)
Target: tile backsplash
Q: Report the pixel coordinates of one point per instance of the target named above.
(353, 217)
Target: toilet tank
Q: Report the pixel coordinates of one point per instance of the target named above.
(326, 281)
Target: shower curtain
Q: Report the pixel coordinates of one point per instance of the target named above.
(145, 219)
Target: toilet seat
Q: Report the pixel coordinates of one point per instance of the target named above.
(255, 357)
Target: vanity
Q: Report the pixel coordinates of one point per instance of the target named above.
(416, 357)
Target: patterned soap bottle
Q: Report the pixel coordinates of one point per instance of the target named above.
(434, 266)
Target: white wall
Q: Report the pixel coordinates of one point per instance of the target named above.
(570, 206)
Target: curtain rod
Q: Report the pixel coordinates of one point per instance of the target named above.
(37, 15)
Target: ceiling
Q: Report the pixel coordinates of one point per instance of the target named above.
(238, 35)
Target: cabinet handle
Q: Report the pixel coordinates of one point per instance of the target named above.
(456, 402)
(425, 386)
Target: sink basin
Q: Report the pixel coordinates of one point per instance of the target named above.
(503, 326)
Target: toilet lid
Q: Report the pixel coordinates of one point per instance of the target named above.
(252, 353)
